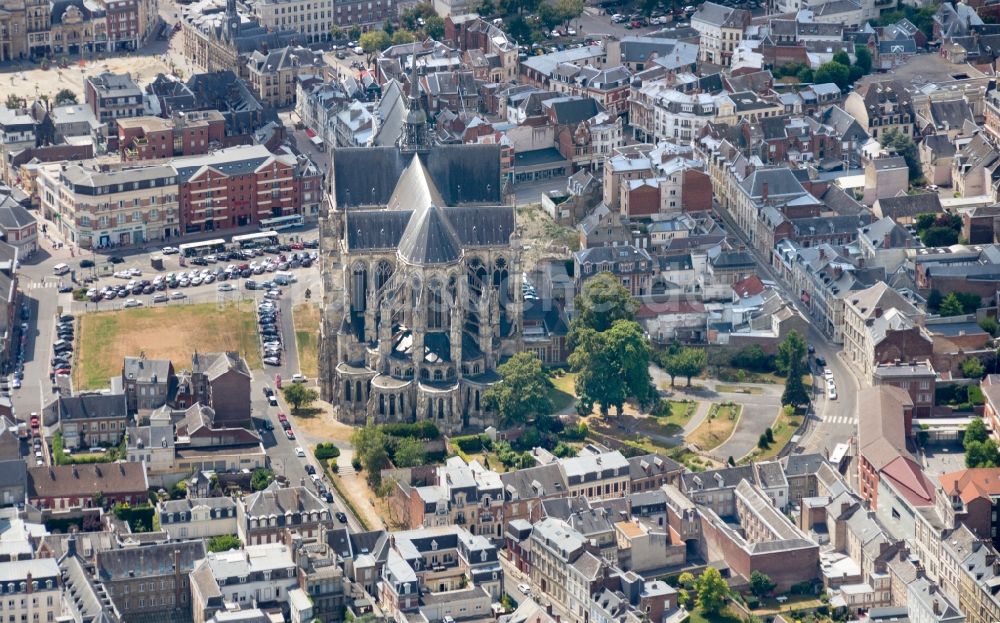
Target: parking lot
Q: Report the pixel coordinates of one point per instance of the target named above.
(222, 271)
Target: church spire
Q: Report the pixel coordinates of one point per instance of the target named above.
(414, 136)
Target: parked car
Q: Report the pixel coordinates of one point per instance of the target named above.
(272, 361)
(177, 295)
(289, 434)
(160, 297)
(116, 259)
(170, 250)
(86, 263)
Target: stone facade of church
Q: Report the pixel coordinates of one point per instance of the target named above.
(422, 282)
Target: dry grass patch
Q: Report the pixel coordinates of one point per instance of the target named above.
(173, 332)
(717, 427)
(305, 317)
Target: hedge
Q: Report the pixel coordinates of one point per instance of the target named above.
(471, 443)
(418, 430)
(327, 451)
(140, 518)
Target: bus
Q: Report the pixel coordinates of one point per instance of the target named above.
(260, 239)
(205, 247)
(281, 222)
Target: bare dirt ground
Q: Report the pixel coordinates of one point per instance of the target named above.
(542, 238)
(35, 82)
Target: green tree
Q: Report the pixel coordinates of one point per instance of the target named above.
(224, 543)
(569, 9)
(261, 478)
(523, 390)
(990, 325)
(934, 300)
(687, 580)
(613, 366)
(939, 237)
(863, 58)
(13, 101)
(951, 306)
(687, 362)
(834, 72)
(972, 368)
(434, 27)
(371, 446)
(899, 143)
(410, 452)
(299, 396)
(65, 96)
(976, 431)
(713, 592)
(792, 359)
(403, 36)
(603, 301)
(762, 442)
(982, 454)
(843, 58)
(805, 74)
(760, 583)
(374, 41)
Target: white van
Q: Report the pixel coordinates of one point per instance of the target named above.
(60, 269)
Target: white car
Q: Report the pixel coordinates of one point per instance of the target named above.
(299, 378)
(299, 452)
(177, 295)
(135, 272)
(196, 281)
(524, 588)
(225, 286)
(133, 303)
(828, 374)
(169, 250)
(831, 392)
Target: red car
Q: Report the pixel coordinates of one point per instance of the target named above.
(34, 421)
(298, 246)
(282, 417)
(289, 433)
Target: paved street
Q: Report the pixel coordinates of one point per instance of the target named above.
(281, 450)
(833, 421)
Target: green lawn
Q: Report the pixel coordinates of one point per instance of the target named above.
(563, 392)
(738, 389)
(717, 427)
(171, 332)
(681, 413)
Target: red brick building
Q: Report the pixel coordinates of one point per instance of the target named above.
(882, 427)
(240, 186)
(67, 487)
(918, 379)
(185, 134)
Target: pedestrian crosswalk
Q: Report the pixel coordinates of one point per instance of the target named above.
(839, 419)
(37, 285)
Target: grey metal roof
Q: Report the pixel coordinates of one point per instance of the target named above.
(149, 560)
(429, 238)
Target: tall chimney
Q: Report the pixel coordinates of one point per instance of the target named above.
(763, 191)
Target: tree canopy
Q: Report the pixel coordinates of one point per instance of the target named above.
(603, 301)
(901, 144)
(65, 96)
(613, 366)
(760, 583)
(522, 392)
(713, 592)
(299, 396)
(686, 362)
(791, 360)
(972, 368)
(410, 452)
(374, 41)
(834, 72)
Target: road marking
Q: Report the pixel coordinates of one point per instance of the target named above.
(839, 419)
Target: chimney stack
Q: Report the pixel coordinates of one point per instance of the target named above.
(764, 191)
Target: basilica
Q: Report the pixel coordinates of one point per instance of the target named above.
(422, 281)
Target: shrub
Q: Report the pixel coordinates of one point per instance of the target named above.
(417, 430)
(333, 465)
(356, 463)
(762, 442)
(578, 432)
(326, 451)
(470, 443)
(224, 543)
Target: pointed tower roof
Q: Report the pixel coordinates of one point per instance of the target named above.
(415, 188)
(429, 238)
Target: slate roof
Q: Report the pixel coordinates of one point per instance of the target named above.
(92, 406)
(149, 560)
(275, 500)
(214, 365)
(881, 437)
(463, 174)
(910, 205)
(13, 215)
(719, 15)
(146, 370)
(781, 182)
(572, 110)
(803, 464)
(709, 480)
